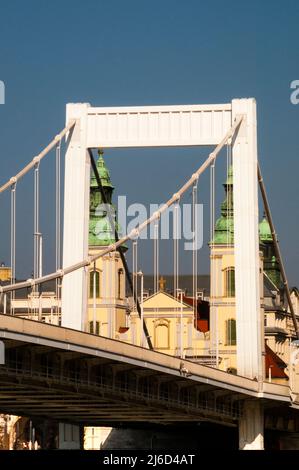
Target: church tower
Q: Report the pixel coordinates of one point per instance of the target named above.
(222, 298)
(106, 285)
(223, 338)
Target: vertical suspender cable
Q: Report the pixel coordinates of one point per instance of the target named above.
(214, 336)
(94, 278)
(175, 249)
(227, 279)
(135, 268)
(212, 203)
(229, 215)
(194, 251)
(58, 219)
(36, 222)
(12, 243)
(112, 294)
(156, 256)
(36, 235)
(109, 271)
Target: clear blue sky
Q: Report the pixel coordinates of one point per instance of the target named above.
(149, 52)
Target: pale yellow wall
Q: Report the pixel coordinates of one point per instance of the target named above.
(95, 437)
(222, 307)
(5, 273)
(164, 315)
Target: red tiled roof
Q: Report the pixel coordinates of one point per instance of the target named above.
(203, 313)
(276, 364)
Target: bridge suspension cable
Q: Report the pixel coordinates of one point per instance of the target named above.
(60, 273)
(39, 157)
(12, 183)
(277, 249)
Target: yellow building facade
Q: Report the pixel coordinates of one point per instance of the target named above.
(223, 332)
(170, 325)
(107, 304)
(5, 273)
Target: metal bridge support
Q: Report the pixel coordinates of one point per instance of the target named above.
(251, 426)
(76, 219)
(248, 303)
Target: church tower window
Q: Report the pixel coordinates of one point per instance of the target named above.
(231, 332)
(94, 284)
(229, 282)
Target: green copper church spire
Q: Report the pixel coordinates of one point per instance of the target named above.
(224, 227)
(100, 231)
(103, 173)
(224, 232)
(271, 265)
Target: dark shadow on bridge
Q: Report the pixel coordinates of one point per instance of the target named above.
(201, 436)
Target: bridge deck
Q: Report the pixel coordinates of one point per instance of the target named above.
(64, 374)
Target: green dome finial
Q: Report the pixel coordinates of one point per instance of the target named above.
(265, 230)
(103, 173)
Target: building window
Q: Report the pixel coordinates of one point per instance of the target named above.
(94, 281)
(229, 282)
(97, 332)
(119, 282)
(231, 332)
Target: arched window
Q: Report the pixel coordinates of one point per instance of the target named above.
(229, 282)
(231, 332)
(94, 284)
(161, 334)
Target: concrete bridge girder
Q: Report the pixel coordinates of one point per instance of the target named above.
(207, 394)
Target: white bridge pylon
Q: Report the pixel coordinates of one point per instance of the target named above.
(157, 126)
